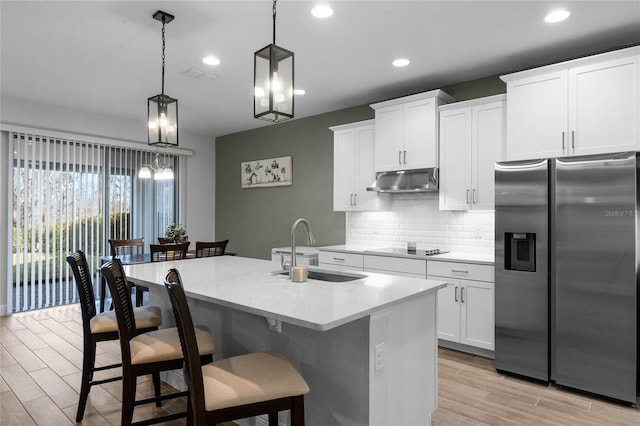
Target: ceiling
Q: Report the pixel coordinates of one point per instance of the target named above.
(105, 56)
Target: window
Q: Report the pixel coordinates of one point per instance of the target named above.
(74, 195)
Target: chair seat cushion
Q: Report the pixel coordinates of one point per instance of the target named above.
(146, 317)
(250, 378)
(164, 345)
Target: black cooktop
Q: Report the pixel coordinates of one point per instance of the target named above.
(417, 253)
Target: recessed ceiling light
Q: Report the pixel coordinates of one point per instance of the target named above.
(322, 11)
(299, 92)
(557, 16)
(401, 62)
(211, 60)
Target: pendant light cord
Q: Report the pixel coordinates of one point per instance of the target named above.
(163, 45)
(274, 22)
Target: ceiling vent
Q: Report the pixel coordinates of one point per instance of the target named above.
(198, 75)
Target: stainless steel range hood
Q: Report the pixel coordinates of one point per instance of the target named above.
(420, 180)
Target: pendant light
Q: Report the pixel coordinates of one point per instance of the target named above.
(163, 109)
(159, 169)
(273, 81)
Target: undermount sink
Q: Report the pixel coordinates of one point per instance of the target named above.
(332, 276)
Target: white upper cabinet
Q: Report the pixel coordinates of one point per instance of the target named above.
(353, 168)
(406, 131)
(472, 138)
(585, 106)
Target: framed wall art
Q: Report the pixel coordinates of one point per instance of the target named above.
(267, 172)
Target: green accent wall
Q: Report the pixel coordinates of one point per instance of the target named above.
(257, 219)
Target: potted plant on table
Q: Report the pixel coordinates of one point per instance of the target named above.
(176, 232)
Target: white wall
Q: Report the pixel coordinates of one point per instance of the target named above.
(416, 217)
(198, 171)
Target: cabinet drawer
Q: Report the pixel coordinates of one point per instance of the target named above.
(468, 271)
(342, 259)
(396, 264)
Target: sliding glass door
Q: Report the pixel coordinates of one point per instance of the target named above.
(74, 195)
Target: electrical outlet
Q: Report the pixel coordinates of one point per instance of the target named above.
(379, 356)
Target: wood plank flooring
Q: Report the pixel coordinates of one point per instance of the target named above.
(41, 360)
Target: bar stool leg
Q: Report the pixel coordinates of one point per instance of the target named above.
(128, 399)
(88, 363)
(156, 387)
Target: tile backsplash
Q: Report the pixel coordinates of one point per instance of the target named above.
(416, 217)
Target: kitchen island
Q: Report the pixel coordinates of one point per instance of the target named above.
(366, 347)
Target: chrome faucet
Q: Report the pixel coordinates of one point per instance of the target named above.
(310, 240)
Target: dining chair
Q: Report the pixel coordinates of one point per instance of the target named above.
(238, 387)
(130, 247)
(210, 248)
(100, 327)
(162, 252)
(149, 352)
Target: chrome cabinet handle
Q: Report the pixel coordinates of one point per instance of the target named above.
(399, 157)
(351, 199)
(573, 140)
(468, 196)
(405, 157)
(459, 271)
(339, 259)
(473, 198)
(462, 294)
(455, 294)
(355, 199)
(563, 141)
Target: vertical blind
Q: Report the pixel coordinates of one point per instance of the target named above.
(74, 195)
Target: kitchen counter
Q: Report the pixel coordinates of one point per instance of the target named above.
(367, 348)
(476, 258)
(248, 285)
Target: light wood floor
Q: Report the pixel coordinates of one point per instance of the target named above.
(41, 359)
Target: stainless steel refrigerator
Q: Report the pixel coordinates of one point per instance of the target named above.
(567, 283)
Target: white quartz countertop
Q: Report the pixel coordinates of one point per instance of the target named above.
(478, 258)
(247, 284)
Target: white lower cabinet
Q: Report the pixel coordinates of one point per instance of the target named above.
(466, 305)
(338, 261)
(416, 268)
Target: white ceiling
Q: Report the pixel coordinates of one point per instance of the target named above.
(105, 56)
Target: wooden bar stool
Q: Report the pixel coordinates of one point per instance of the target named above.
(149, 352)
(238, 387)
(100, 327)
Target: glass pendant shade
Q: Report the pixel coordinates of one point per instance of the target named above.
(273, 84)
(163, 120)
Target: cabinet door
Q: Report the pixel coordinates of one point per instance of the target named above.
(344, 160)
(477, 314)
(537, 116)
(448, 310)
(420, 135)
(389, 135)
(604, 107)
(487, 147)
(455, 159)
(365, 173)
